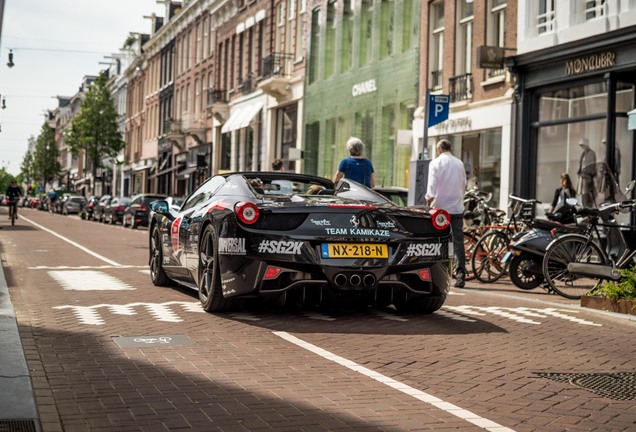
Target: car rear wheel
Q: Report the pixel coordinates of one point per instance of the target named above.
(157, 274)
(210, 293)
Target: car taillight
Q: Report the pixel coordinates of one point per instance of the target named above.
(247, 212)
(143, 208)
(440, 218)
(272, 272)
(90, 205)
(120, 208)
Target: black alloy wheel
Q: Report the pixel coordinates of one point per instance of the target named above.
(525, 271)
(157, 273)
(210, 293)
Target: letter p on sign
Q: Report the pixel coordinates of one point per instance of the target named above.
(438, 107)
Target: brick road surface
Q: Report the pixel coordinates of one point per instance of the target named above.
(481, 352)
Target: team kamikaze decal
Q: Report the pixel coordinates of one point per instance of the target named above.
(357, 231)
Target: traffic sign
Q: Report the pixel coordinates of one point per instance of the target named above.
(438, 108)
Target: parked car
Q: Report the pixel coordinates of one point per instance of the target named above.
(347, 243)
(98, 209)
(87, 209)
(59, 202)
(174, 204)
(137, 212)
(114, 212)
(73, 204)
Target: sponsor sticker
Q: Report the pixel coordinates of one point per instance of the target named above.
(280, 247)
(320, 222)
(232, 246)
(385, 224)
(424, 250)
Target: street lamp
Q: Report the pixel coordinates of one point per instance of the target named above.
(10, 62)
(4, 103)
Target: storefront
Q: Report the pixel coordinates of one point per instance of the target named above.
(571, 109)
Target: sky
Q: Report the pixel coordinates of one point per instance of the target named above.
(55, 44)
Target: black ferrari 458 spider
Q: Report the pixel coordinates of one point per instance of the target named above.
(300, 239)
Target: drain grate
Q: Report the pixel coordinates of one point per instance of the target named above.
(17, 426)
(615, 385)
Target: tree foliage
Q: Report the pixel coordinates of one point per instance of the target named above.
(27, 167)
(46, 164)
(95, 129)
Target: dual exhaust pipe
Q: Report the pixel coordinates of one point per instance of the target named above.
(354, 280)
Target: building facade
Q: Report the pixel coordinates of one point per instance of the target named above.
(479, 124)
(361, 80)
(576, 79)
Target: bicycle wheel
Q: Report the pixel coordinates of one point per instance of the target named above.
(470, 241)
(571, 249)
(486, 259)
(12, 211)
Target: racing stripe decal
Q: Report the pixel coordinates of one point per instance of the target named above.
(174, 234)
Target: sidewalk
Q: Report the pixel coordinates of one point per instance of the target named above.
(18, 410)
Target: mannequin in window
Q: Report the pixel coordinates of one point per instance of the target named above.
(586, 173)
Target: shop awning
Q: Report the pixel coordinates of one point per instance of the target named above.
(241, 117)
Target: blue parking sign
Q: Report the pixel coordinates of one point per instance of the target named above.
(437, 109)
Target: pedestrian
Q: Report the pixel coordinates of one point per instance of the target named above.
(445, 190)
(355, 167)
(52, 200)
(563, 192)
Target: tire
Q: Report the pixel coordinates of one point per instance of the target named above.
(470, 241)
(133, 223)
(157, 274)
(520, 273)
(487, 258)
(571, 249)
(210, 293)
(123, 222)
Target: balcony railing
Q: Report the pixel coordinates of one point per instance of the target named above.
(461, 87)
(436, 80)
(276, 64)
(216, 96)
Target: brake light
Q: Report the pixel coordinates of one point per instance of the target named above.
(247, 212)
(425, 274)
(272, 272)
(440, 218)
(143, 208)
(90, 205)
(120, 208)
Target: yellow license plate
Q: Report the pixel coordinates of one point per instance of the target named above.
(347, 250)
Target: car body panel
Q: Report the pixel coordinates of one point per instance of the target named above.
(294, 233)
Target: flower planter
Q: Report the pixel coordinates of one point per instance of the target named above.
(601, 303)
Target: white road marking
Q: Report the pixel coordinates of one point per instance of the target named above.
(161, 311)
(411, 391)
(88, 280)
(87, 267)
(71, 242)
(454, 316)
(519, 314)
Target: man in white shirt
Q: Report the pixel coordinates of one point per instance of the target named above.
(446, 188)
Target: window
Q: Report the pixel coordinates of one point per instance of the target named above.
(437, 45)
(330, 42)
(300, 29)
(387, 22)
(206, 39)
(594, 9)
(366, 31)
(314, 49)
(496, 29)
(409, 24)
(196, 96)
(289, 38)
(280, 21)
(347, 37)
(465, 38)
(545, 17)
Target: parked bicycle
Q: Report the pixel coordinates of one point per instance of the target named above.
(574, 264)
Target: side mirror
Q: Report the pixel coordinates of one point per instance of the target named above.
(160, 207)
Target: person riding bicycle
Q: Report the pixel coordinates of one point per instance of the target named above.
(14, 192)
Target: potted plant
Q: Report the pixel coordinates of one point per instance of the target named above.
(615, 296)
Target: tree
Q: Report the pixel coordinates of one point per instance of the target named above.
(95, 129)
(27, 167)
(45, 159)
